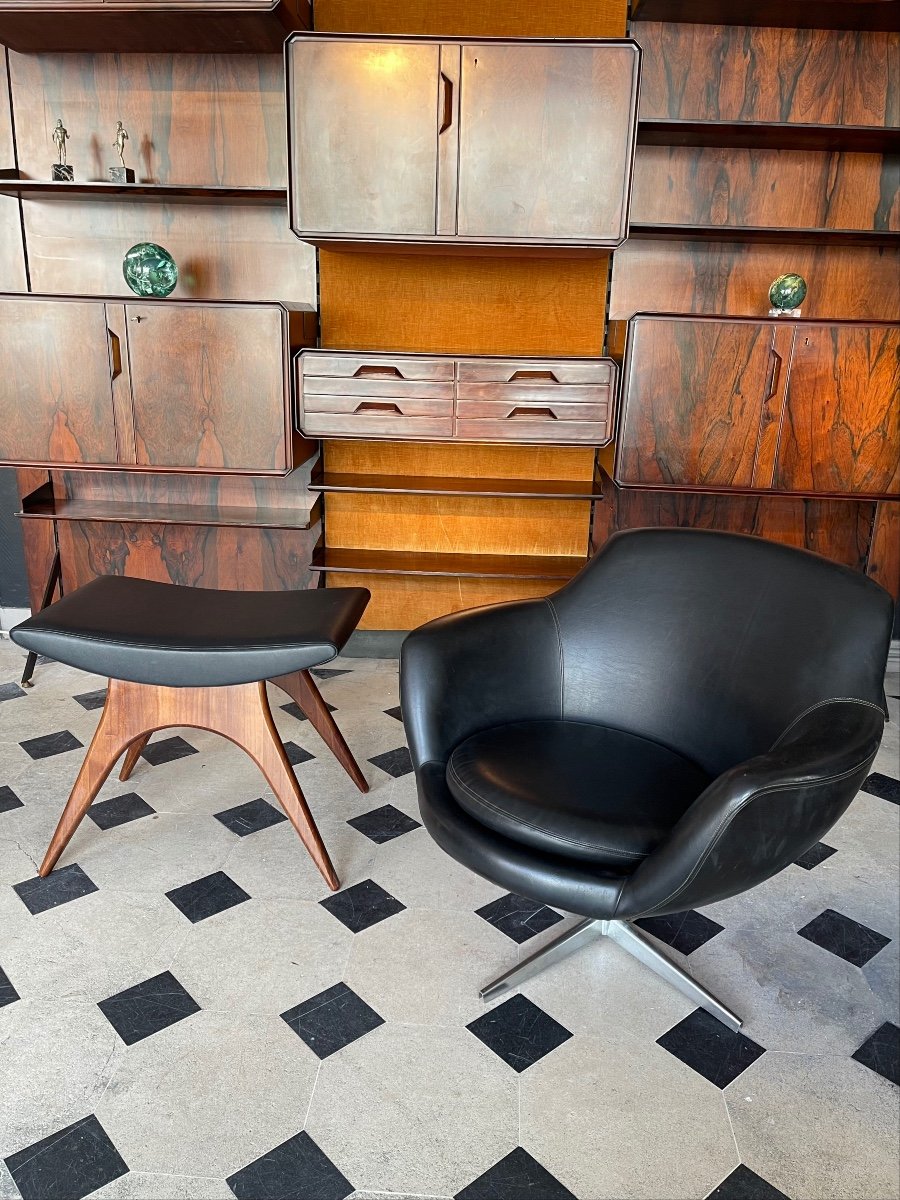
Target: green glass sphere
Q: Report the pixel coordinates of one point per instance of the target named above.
(788, 291)
(150, 270)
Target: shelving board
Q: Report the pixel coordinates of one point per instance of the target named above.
(770, 135)
(162, 193)
(434, 485)
(799, 14)
(744, 233)
(479, 566)
(42, 506)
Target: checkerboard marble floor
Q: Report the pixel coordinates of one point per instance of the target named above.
(187, 1014)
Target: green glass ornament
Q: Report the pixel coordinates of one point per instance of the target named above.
(787, 292)
(150, 270)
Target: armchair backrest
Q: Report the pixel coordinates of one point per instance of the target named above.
(713, 643)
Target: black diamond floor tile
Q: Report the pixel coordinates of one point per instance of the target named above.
(296, 711)
(8, 994)
(329, 673)
(519, 1032)
(69, 1164)
(8, 799)
(844, 937)
(744, 1184)
(148, 1007)
(518, 917)
(59, 887)
(881, 1052)
(395, 762)
(383, 824)
(296, 1169)
(518, 1176)
(167, 750)
(684, 932)
(884, 787)
(296, 755)
(92, 700)
(814, 855)
(119, 810)
(332, 1020)
(250, 817)
(207, 896)
(51, 743)
(710, 1048)
(10, 691)
(395, 713)
(362, 905)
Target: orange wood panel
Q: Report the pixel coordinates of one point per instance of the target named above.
(884, 553)
(469, 462)
(474, 18)
(405, 601)
(846, 282)
(457, 524)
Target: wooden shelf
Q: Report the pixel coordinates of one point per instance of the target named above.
(479, 566)
(770, 135)
(799, 14)
(433, 485)
(162, 193)
(41, 505)
(744, 233)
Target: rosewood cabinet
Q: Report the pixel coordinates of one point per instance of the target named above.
(152, 385)
(806, 407)
(560, 401)
(462, 142)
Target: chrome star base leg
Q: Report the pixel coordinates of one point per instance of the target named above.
(637, 944)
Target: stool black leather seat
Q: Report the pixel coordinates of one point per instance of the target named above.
(681, 721)
(194, 656)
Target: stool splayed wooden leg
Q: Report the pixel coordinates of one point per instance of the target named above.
(239, 712)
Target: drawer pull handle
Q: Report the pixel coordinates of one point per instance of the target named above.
(774, 374)
(375, 372)
(372, 406)
(447, 103)
(530, 413)
(115, 355)
(532, 375)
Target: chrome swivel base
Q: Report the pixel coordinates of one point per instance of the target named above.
(629, 938)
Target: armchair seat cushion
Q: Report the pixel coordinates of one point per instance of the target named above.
(578, 790)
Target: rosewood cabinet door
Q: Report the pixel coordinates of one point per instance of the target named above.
(695, 398)
(545, 141)
(363, 135)
(55, 383)
(208, 387)
(841, 428)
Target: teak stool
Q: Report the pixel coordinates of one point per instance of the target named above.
(197, 657)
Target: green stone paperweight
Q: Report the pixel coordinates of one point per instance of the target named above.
(150, 270)
(787, 293)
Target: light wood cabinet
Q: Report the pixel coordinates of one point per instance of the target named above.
(461, 143)
(151, 385)
(807, 407)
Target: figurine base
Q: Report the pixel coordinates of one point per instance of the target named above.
(121, 175)
(784, 312)
(62, 173)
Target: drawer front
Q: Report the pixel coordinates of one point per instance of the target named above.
(376, 367)
(319, 387)
(533, 393)
(378, 425)
(537, 372)
(539, 430)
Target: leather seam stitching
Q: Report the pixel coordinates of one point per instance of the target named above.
(780, 787)
(530, 825)
(562, 665)
(821, 704)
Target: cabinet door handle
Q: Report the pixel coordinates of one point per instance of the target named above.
(531, 413)
(375, 372)
(447, 108)
(532, 375)
(774, 375)
(373, 406)
(115, 354)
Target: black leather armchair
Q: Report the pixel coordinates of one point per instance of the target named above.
(679, 723)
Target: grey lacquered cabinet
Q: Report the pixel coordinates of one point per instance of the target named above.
(461, 142)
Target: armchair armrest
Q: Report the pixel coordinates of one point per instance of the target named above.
(761, 815)
(472, 670)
